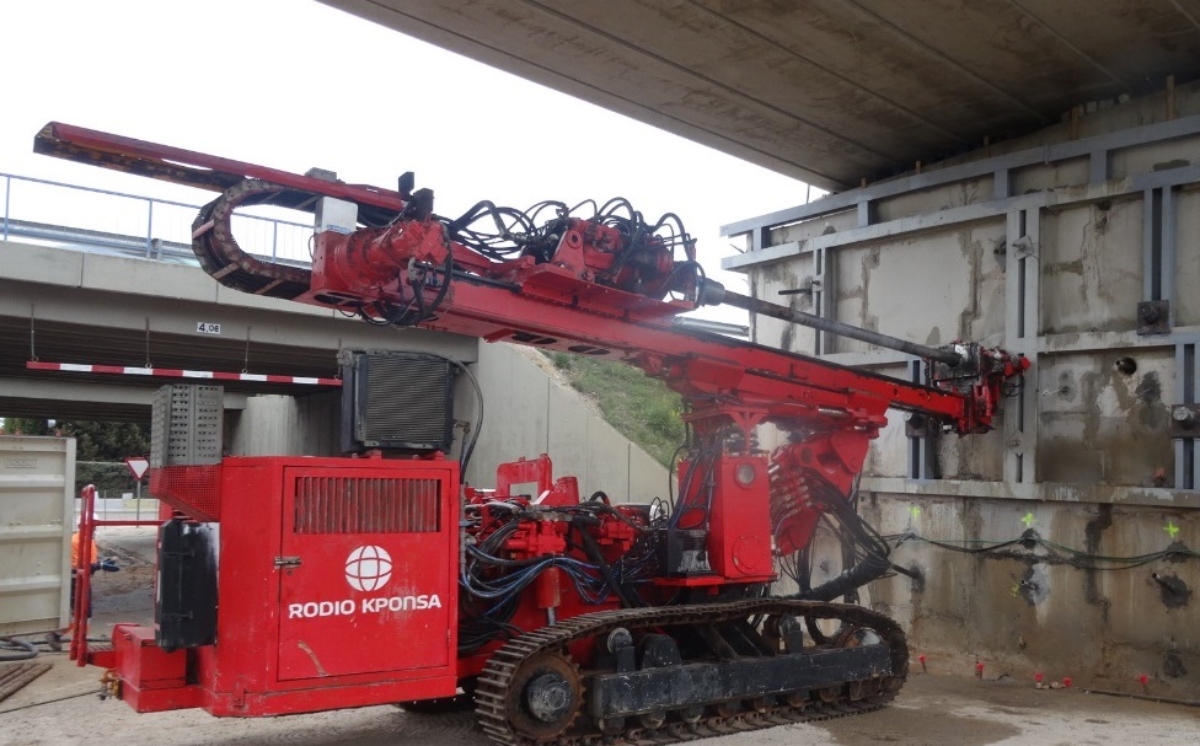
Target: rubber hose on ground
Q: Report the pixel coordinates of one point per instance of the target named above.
(8, 644)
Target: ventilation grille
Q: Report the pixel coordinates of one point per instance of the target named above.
(363, 505)
(401, 401)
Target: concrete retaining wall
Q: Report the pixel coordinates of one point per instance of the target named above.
(527, 412)
(530, 412)
(1046, 248)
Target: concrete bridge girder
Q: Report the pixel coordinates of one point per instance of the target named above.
(72, 307)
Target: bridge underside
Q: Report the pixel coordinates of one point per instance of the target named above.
(80, 308)
(115, 398)
(831, 92)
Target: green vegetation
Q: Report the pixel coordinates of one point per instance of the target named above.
(641, 408)
(100, 448)
(94, 441)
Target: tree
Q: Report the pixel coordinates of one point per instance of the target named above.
(94, 441)
(22, 426)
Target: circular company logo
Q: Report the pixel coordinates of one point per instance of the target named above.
(368, 568)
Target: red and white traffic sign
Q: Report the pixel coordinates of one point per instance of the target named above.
(138, 465)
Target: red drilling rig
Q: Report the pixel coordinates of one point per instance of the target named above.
(343, 582)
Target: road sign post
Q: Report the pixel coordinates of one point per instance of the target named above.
(138, 465)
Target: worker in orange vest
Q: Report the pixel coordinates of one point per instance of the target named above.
(75, 542)
(108, 565)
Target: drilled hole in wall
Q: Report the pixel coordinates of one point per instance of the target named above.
(1126, 365)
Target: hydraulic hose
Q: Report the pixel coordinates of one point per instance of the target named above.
(26, 648)
(871, 568)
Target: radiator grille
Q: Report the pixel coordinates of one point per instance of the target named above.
(408, 401)
(364, 505)
(397, 401)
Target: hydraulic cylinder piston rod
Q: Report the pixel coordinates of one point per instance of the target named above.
(754, 305)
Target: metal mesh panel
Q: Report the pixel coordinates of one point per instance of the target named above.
(186, 425)
(356, 505)
(192, 490)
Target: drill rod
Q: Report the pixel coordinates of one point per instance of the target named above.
(754, 305)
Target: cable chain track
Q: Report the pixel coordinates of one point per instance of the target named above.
(493, 694)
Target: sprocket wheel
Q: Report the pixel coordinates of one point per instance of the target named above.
(853, 637)
(545, 696)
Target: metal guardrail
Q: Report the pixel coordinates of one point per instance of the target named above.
(88, 219)
(96, 220)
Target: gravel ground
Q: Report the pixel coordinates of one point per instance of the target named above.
(60, 709)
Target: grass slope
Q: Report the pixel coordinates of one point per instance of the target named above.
(642, 409)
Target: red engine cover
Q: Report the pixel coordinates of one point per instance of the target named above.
(337, 587)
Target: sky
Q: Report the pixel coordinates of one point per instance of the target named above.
(294, 84)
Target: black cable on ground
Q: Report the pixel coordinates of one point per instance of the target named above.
(27, 650)
(49, 701)
(1147, 697)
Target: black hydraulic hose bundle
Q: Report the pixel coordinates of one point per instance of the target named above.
(872, 567)
(872, 550)
(592, 549)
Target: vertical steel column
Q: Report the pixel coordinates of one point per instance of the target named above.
(921, 448)
(1170, 227)
(1001, 184)
(1151, 245)
(1151, 257)
(760, 237)
(1022, 333)
(1187, 384)
(818, 300)
(824, 297)
(1099, 167)
(866, 213)
(1156, 313)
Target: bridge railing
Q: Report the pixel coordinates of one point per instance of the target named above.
(88, 219)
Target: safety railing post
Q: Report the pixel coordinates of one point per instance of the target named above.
(151, 247)
(149, 226)
(7, 194)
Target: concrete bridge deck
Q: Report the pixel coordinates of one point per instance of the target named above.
(833, 91)
(61, 305)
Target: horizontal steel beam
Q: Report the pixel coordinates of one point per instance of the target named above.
(1127, 188)
(1047, 154)
(1051, 492)
(1053, 344)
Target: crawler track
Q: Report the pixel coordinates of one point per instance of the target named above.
(495, 693)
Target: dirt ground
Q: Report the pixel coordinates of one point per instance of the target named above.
(60, 708)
